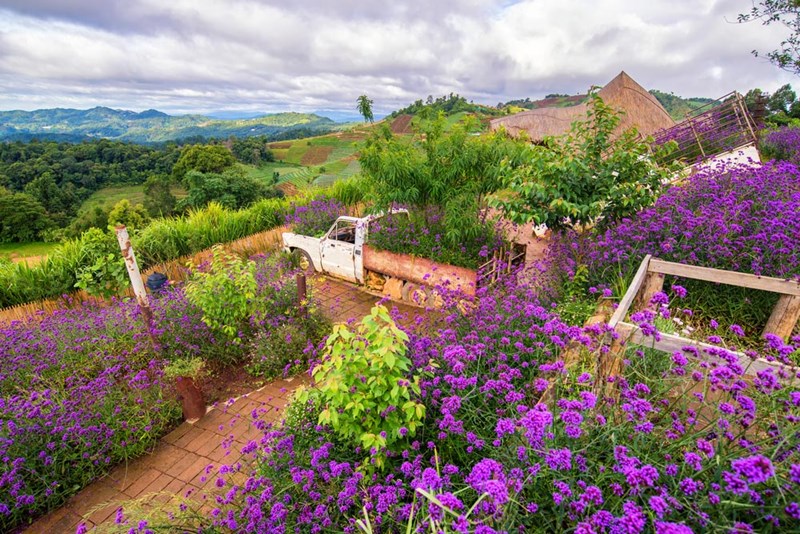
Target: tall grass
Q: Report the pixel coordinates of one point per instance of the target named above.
(161, 241)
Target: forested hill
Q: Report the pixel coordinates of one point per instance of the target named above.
(151, 126)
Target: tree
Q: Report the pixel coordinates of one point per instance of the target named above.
(592, 175)
(786, 12)
(453, 170)
(365, 108)
(158, 199)
(782, 99)
(251, 150)
(22, 218)
(232, 189)
(203, 158)
(132, 216)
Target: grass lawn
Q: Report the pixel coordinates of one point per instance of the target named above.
(26, 250)
(108, 196)
(265, 171)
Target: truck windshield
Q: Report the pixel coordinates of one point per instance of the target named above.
(343, 231)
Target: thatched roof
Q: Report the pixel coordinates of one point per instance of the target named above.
(641, 110)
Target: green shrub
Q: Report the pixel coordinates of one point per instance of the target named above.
(364, 384)
(225, 292)
(350, 191)
(592, 175)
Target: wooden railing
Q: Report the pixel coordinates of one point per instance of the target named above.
(649, 280)
(503, 261)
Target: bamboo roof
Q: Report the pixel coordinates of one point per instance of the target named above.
(640, 110)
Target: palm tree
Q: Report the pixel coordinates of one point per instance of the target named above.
(365, 108)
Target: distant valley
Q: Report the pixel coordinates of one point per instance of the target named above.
(152, 126)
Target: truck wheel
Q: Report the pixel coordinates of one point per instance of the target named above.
(303, 261)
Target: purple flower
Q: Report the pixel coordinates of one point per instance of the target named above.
(754, 469)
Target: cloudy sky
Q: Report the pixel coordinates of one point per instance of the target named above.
(184, 56)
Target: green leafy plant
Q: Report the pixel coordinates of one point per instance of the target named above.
(280, 350)
(592, 175)
(194, 368)
(364, 385)
(224, 292)
(576, 304)
(105, 277)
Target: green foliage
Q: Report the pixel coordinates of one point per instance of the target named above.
(677, 107)
(57, 201)
(102, 271)
(448, 105)
(280, 351)
(22, 218)
(225, 292)
(203, 159)
(455, 171)
(159, 200)
(364, 105)
(232, 189)
(592, 175)
(350, 191)
(365, 385)
(125, 213)
(787, 13)
(61, 176)
(194, 368)
(575, 306)
(106, 277)
(251, 150)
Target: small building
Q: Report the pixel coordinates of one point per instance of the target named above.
(640, 110)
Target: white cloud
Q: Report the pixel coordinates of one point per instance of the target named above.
(202, 55)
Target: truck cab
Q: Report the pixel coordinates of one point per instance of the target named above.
(338, 253)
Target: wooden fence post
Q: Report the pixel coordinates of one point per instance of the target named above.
(784, 316)
(136, 279)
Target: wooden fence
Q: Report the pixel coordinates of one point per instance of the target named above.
(649, 280)
(175, 270)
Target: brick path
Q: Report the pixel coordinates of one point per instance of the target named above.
(176, 469)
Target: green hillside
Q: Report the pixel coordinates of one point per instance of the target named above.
(679, 107)
(152, 126)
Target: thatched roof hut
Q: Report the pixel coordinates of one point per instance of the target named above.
(641, 110)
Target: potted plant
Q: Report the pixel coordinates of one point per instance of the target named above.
(188, 373)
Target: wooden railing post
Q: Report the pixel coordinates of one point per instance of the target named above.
(136, 280)
(784, 316)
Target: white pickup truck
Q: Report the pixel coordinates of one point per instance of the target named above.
(344, 252)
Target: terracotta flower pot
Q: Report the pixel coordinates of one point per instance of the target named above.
(194, 406)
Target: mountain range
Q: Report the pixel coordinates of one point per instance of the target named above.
(152, 126)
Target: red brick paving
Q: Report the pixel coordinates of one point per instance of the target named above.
(178, 464)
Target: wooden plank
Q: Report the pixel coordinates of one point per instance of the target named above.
(671, 343)
(784, 316)
(653, 283)
(764, 283)
(633, 289)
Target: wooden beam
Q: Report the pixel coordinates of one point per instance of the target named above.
(633, 289)
(653, 283)
(671, 343)
(784, 316)
(764, 283)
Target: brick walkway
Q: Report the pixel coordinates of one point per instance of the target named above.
(176, 469)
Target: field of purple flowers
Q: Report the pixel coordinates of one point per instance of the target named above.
(479, 425)
(490, 428)
(735, 217)
(515, 441)
(83, 389)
